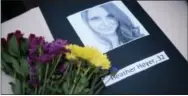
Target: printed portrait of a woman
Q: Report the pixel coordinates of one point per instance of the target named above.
(110, 26)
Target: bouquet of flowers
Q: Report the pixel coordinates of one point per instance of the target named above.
(58, 67)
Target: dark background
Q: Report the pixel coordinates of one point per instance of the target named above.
(12, 8)
(170, 77)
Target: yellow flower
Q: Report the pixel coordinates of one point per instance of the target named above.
(70, 56)
(90, 54)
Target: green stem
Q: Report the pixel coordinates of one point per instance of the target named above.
(97, 92)
(75, 79)
(88, 79)
(94, 82)
(81, 89)
(45, 78)
(51, 83)
(72, 90)
(64, 74)
(23, 86)
(35, 91)
(90, 75)
(59, 57)
(87, 71)
(15, 75)
(39, 89)
(97, 85)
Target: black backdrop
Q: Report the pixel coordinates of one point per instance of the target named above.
(170, 77)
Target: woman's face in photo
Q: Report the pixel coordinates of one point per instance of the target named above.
(101, 21)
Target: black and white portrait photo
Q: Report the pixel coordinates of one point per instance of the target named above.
(107, 26)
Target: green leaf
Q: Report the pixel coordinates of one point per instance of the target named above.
(12, 87)
(13, 62)
(6, 57)
(16, 67)
(6, 68)
(24, 46)
(16, 88)
(13, 48)
(24, 67)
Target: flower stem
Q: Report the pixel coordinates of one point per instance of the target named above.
(97, 85)
(94, 82)
(35, 91)
(23, 86)
(88, 79)
(59, 57)
(87, 71)
(46, 78)
(64, 74)
(97, 92)
(75, 79)
(15, 75)
(90, 75)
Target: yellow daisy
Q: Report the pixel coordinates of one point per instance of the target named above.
(90, 54)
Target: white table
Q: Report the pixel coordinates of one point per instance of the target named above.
(170, 16)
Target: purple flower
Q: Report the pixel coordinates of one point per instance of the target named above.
(43, 52)
(29, 61)
(32, 59)
(33, 70)
(57, 46)
(35, 42)
(60, 43)
(45, 58)
(32, 66)
(34, 81)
